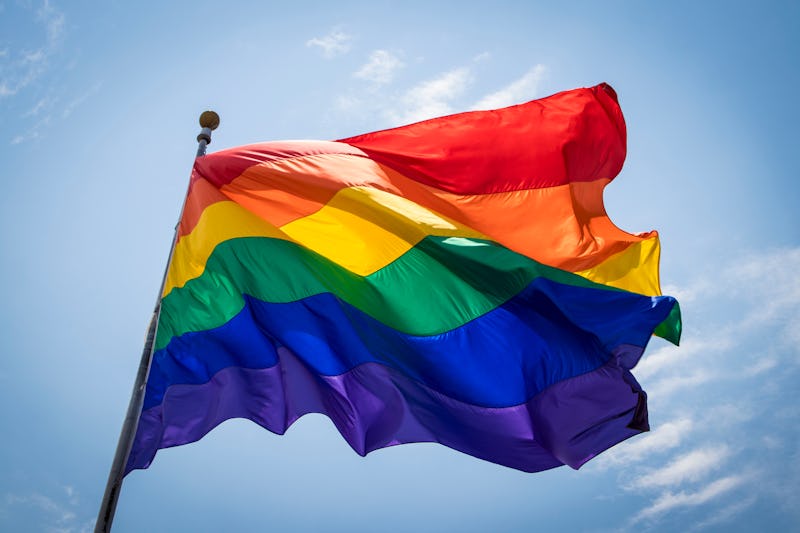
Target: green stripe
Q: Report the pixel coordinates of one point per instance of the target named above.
(439, 284)
(670, 328)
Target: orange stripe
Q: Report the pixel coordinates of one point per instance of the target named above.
(284, 190)
(201, 195)
(563, 226)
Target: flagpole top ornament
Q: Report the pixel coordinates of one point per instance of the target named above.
(209, 121)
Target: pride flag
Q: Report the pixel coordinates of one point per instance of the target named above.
(454, 281)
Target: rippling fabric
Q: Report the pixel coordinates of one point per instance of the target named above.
(456, 280)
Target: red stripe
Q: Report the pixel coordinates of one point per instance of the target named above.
(569, 137)
(221, 168)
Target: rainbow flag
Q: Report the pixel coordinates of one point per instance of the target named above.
(454, 281)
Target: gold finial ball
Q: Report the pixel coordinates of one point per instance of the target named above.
(209, 119)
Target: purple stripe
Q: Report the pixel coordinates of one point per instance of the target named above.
(374, 406)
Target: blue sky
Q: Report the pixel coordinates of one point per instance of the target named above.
(99, 106)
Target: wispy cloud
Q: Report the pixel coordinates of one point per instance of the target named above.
(665, 437)
(76, 102)
(33, 132)
(726, 416)
(760, 366)
(380, 68)
(434, 97)
(43, 112)
(333, 44)
(767, 277)
(727, 383)
(670, 500)
(53, 514)
(41, 105)
(19, 75)
(763, 291)
(692, 466)
(441, 94)
(72, 494)
(726, 514)
(687, 293)
(764, 283)
(690, 351)
(53, 20)
(771, 280)
(21, 64)
(669, 385)
(518, 91)
(348, 103)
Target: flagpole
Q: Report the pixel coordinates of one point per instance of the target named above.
(209, 121)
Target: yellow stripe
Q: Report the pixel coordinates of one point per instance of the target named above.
(364, 229)
(219, 222)
(360, 228)
(635, 269)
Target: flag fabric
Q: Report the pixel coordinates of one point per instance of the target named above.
(456, 281)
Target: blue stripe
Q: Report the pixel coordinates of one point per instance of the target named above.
(547, 333)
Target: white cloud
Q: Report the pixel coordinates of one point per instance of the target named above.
(334, 44)
(765, 282)
(770, 282)
(42, 111)
(664, 437)
(768, 268)
(433, 98)
(380, 68)
(755, 297)
(786, 489)
(767, 279)
(669, 385)
(726, 514)
(726, 416)
(771, 443)
(21, 74)
(53, 20)
(43, 104)
(760, 366)
(74, 103)
(666, 356)
(348, 102)
(669, 356)
(33, 132)
(21, 64)
(688, 293)
(670, 500)
(72, 494)
(53, 515)
(742, 339)
(37, 56)
(692, 466)
(519, 91)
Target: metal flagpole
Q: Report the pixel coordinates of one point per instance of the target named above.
(209, 121)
